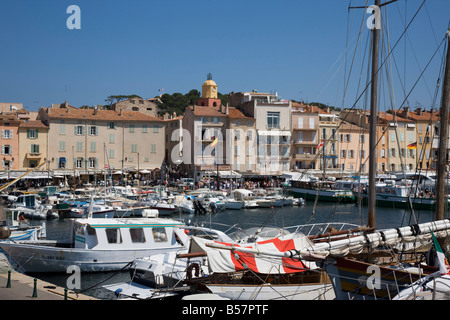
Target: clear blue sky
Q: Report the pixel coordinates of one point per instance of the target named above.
(295, 47)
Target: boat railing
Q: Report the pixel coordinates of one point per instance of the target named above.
(323, 227)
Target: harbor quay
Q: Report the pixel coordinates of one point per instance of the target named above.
(17, 286)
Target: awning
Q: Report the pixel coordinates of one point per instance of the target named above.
(274, 133)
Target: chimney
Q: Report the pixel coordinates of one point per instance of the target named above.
(120, 112)
(226, 109)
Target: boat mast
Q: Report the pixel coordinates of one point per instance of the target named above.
(373, 122)
(441, 191)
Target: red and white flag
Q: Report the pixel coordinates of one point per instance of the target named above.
(320, 145)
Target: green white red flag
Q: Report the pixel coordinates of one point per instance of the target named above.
(444, 266)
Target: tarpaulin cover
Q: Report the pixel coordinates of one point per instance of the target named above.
(220, 260)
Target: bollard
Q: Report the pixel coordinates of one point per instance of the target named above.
(65, 293)
(35, 289)
(8, 284)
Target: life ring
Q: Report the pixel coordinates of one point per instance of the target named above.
(192, 267)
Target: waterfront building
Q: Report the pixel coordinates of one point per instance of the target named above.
(400, 132)
(353, 149)
(79, 137)
(9, 140)
(426, 142)
(33, 145)
(273, 125)
(305, 133)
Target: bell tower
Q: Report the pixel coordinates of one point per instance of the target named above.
(209, 93)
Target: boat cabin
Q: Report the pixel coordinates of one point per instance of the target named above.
(125, 234)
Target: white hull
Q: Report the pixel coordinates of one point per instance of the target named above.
(34, 258)
(233, 205)
(274, 292)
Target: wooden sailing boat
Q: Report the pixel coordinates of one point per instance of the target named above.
(380, 273)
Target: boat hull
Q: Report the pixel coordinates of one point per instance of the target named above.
(274, 292)
(323, 195)
(39, 258)
(403, 202)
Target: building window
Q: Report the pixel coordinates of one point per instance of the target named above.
(34, 148)
(153, 150)
(112, 125)
(131, 127)
(32, 133)
(79, 163)
(134, 148)
(7, 134)
(6, 149)
(145, 128)
(155, 129)
(111, 138)
(62, 163)
(92, 162)
(93, 146)
(273, 120)
(62, 129)
(32, 164)
(79, 130)
(79, 146)
(93, 131)
(111, 153)
(62, 146)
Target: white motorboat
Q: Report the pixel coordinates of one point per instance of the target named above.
(99, 210)
(30, 207)
(233, 204)
(102, 244)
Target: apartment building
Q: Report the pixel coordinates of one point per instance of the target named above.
(353, 148)
(9, 126)
(305, 133)
(427, 135)
(33, 148)
(88, 140)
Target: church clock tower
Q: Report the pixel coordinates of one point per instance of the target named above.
(209, 93)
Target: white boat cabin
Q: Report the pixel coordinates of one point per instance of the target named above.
(126, 234)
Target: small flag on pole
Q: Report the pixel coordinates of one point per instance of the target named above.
(444, 266)
(412, 145)
(213, 144)
(106, 166)
(320, 145)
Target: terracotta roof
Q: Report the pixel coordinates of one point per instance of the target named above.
(33, 124)
(99, 115)
(234, 113)
(8, 117)
(201, 111)
(390, 117)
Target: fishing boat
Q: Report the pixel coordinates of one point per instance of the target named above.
(31, 207)
(322, 190)
(393, 195)
(98, 244)
(16, 227)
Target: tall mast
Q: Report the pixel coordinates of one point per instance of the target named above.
(373, 123)
(441, 191)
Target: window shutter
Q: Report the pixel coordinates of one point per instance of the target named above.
(36, 132)
(28, 133)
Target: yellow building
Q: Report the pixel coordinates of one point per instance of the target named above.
(33, 137)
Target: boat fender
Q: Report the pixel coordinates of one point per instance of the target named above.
(192, 269)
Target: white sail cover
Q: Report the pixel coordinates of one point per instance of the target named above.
(221, 261)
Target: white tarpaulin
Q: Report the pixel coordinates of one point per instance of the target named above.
(223, 260)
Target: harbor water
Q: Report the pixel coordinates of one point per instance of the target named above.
(91, 283)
